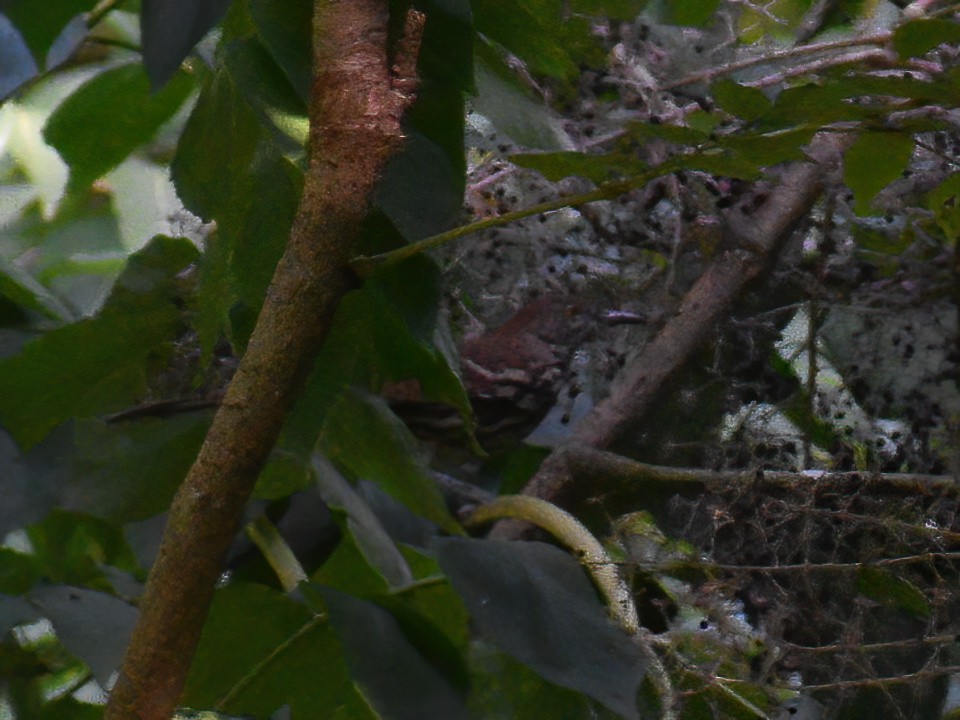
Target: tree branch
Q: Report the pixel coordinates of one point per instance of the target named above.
(356, 106)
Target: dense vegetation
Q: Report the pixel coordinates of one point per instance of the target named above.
(298, 225)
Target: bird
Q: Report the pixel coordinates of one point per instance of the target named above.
(512, 373)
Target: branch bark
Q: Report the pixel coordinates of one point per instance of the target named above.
(357, 102)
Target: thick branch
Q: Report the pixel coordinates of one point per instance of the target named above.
(355, 111)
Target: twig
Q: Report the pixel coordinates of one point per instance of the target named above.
(879, 39)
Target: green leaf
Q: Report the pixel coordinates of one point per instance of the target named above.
(944, 202)
(41, 23)
(642, 131)
(921, 35)
(291, 657)
(18, 572)
(505, 688)
(614, 9)
(771, 148)
(393, 675)
(535, 602)
(744, 102)
(110, 116)
(371, 538)
(286, 31)
(598, 168)
(874, 161)
(68, 708)
(347, 569)
(428, 206)
(130, 470)
(813, 104)
(20, 287)
(71, 548)
(529, 29)
(363, 437)
(526, 121)
(97, 365)
(230, 168)
(389, 331)
(883, 586)
(694, 13)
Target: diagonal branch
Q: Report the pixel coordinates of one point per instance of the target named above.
(356, 105)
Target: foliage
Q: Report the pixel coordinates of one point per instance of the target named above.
(122, 285)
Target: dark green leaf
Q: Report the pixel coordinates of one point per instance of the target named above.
(101, 123)
(41, 23)
(68, 708)
(290, 657)
(387, 332)
(882, 585)
(348, 570)
(535, 602)
(614, 9)
(505, 688)
(267, 91)
(229, 168)
(97, 365)
(744, 102)
(363, 437)
(529, 29)
(770, 149)
(286, 31)
(18, 572)
(170, 29)
(643, 131)
(130, 470)
(393, 675)
(919, 36)
(598, 168)
(874, 161)
(810, 103)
